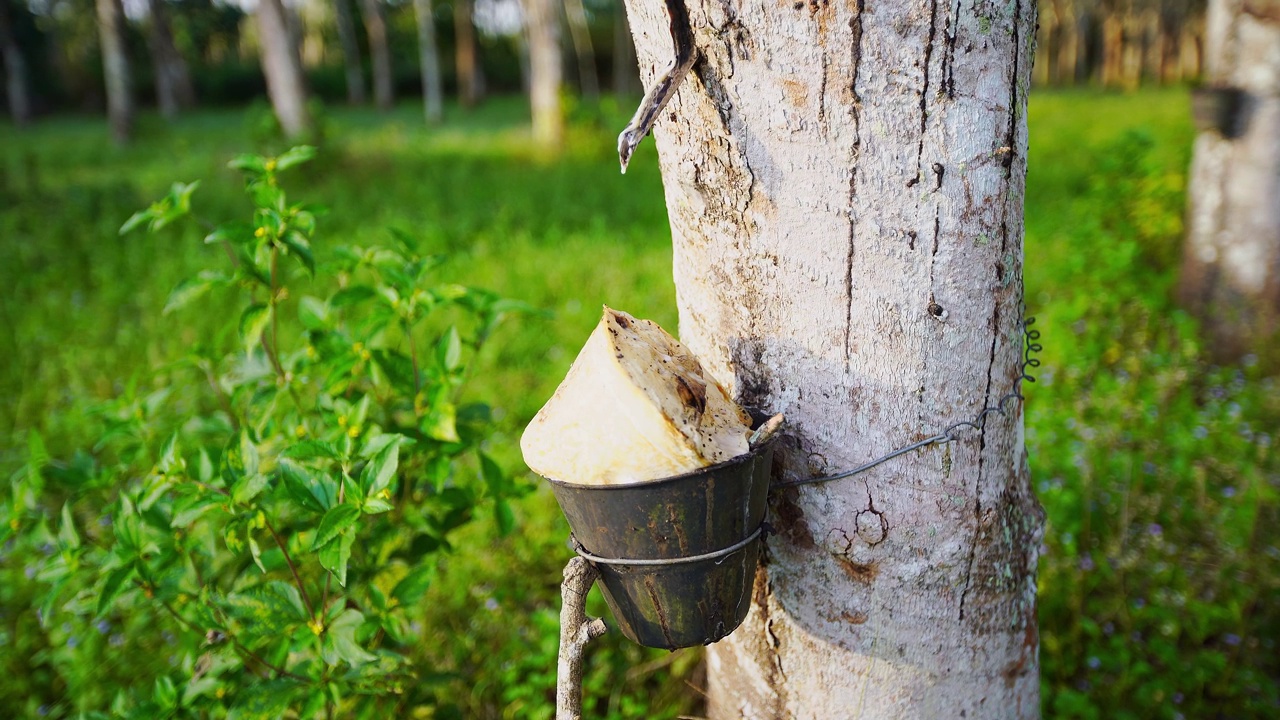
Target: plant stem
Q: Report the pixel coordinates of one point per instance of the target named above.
(413, 355)
(306, 599)
(239, 646)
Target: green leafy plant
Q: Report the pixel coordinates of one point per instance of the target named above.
(270, 518)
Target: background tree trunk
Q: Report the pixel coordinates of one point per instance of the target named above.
(626, 80)
(375, 26)
(542, 23)
(282, 67)
(17, 88)
(350, 51)
(174, 91)
(429, 57)
(580, 33)
(115, 69)
(845, 185)
(466, 58)
(1231, 264)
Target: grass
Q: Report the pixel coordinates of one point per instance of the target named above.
(1158, 472)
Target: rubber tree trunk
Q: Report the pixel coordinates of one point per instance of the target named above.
(174, 90)
(580, 34)
(282, 67)
(466, 56)
(429, 59)
(845, 187)
(375, 25)
(542, 24)
(625, 72)
(350, 51)
(1231, 263)
(115, 69)
(17, 88)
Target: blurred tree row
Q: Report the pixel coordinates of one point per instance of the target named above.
(90, 55)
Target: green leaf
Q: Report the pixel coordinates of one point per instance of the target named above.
(191, 508)
(503, 516)
(248, 487)
(335, 556)
(112, 586)
(248, 454)
(135, 220)
(263, 700)
(441, 423)
(312, 450)
(186, 292)
(165, 694)
(338, 519)
(249, 163)
(375, 505)
(67, 534)
(295, 156)
(256, 552)
(449, 350)
(414, 585)
(340, 640)
(494, 478)
(379, 471)
(302, 486)
(313, 312)
(351, 296)
(300, 246)
(252, 323)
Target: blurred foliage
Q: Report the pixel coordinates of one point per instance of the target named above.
(1158, 471)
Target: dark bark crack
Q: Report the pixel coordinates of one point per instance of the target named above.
(855, 27)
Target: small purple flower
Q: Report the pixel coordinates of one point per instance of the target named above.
(72, 642)
(1149, 468)
(103, 627)
(116, 640)
(1200, 433)
(1094, 663)
(1232, 639)
(491, 604)
(43, 710)
(1155, 530)
(1178, 698)
(1228, 492)
(1109, 628)
(105, 520)
(1139, 603)
(1086, 563)
(29, 571)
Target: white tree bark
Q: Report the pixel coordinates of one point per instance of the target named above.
(283, 69)
(375, 25)
(542, 23)
(115, 69)
(17, 89)
(1231, 270)
(352, 66)
(429, 59)
(845, 188)
(580, 33)
(174, 90)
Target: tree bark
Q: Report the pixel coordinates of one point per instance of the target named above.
(545, 72)
(350, 52)
(375, 26)
(1231, 262)
(282, 67)
(17, 88)
(625, 72)
(580, 34)
(845, 186)
(429, 58)
(174, 90)
(465, 55)
(115, 69)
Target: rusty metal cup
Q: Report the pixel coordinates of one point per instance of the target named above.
(676, 602)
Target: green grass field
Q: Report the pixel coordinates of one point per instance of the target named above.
(1158, 472)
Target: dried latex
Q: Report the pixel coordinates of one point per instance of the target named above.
(635, 406)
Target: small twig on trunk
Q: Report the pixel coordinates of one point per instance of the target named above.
(576, 630)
